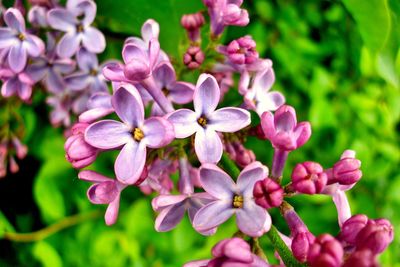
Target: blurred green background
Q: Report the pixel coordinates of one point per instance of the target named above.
(338, 64)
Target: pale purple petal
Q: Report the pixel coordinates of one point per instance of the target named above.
(37, 70)
(137, 42)
(170, 216)
(10, 87)
(114, 72)
(34, 45)
(92, 176)
(181, 92)
(87, 61)
(249, 176)
(244, 82)
(61, 19)
(208, 146)
(14, 19)
(216, 182)
(150, 30)
(229, 120)
(158, 132)
(24, 91)
(212, 215)
(7, 38)
(68, 45)
(251, 218)
(264, 80)
(103, 193)
(77, 81)
(164, 74)
(93, 40)
(17, 57)
(184, 121)
(130, 162)
(93, 114)
(163, 201)
(107, 134)
(206, 95)
(342, 206)
(54, 81)
(269, 102)
(132, 52)
(99, 100)
(112, 211)
(128, 105)
(154, 52)
(199, 263)
(64, 65)
(89, 9)
(302, 133)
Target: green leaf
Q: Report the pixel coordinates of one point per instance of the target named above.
(46, 255)
(373, 21)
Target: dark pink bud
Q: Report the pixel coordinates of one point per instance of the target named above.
(361, 258)
(242, 51)
(234, 15)
(78, 151)
(137, 70)
(326, 251)
(14, 168)
(192, 23)
(352, 227)
(347, 171)
(296, 225)
(20, 149)
(301, 244)
(375, 236)
(268, 193)
(193, 57)
(235, 249)
(309, 178)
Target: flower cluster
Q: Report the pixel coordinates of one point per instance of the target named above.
(160, 125)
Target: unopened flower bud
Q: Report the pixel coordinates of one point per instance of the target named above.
(347, 171)
(361, 258)
(78, 151)
(309, 178)
(193, 57)
(14, 168)
(234, 249)
(301, 244)
(234, 15)
(242, 51)
(326, 251)
(268, 193)
(375, 236)
(352, 227)
(192, 23)
(20, 149)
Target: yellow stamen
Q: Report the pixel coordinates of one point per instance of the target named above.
(137, 134)
(237, 202)
(202, 121)
(21, 36)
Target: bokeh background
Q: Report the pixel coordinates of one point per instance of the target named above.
(338, 64)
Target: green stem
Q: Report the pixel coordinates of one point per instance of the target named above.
(229, 165)
(282, 249)
(52, 229)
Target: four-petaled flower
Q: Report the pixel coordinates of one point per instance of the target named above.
(205, 121)
(231, 198)
(134, 134)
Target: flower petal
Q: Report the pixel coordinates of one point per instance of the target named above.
(249, 176)
(229, 120)
(68, 45)
(14, 19)
(10, 87)
(251, 218)
(111, 215)
(150, 30)
(269, 102)
(181, 92)
(93, 40)
(103, 193)
(164, 74)
(264, 80)
(61, 19)
(216, 182)
(206, 95)
(107, 134)
(170, 216)
(7, 38)
(87, 61)
(212, 215)
(128, 105)
(114, 72)
(92, 176)
(54, 82)
(163, 201)
(34, 45)
(342, 206)
(184, 121)
(133, 52)
(130, 162)
(78, 81)
(17, 58)
(158, 132)
(208, 146)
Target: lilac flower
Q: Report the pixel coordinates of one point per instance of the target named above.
(258, 96)
(75, 21)
(104, 191)
(16, 84)
(18, 43)
(158, 178)
(89, 76)
(98, 105)
(50, 70)
(231, 198)
(37, 16)
(205, 121)
(62, 104)
(134, 134)
(225, 12)
(231, 252)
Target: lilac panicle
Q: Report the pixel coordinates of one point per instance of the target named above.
(231, 198)
(134, 134)
(308, 178)
(75, 20)
(206, 121)
(17, 42)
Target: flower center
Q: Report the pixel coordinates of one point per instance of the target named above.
(237, 202)
(165, 91)
(93, 72)
(21, 36)
(79, 28)
(202, 121)
(137, 134)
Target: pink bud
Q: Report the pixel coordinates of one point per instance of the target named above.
(326, 251)
(14, 168)
(193, 57)
(361, 258)
(192, 23)
(268, 193)
(20, 148)
(235, 249)
(234, 15)
(347, 171)
(352, 227)
(309, 178)
(375, 236)
(301, 244)
(241, 51)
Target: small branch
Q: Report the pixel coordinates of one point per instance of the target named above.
(52, 229)
(282, 249)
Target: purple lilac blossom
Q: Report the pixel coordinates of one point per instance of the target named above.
(134, 134)
(16, 84)
(75, 21)
(231, 198)
(206, 121)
